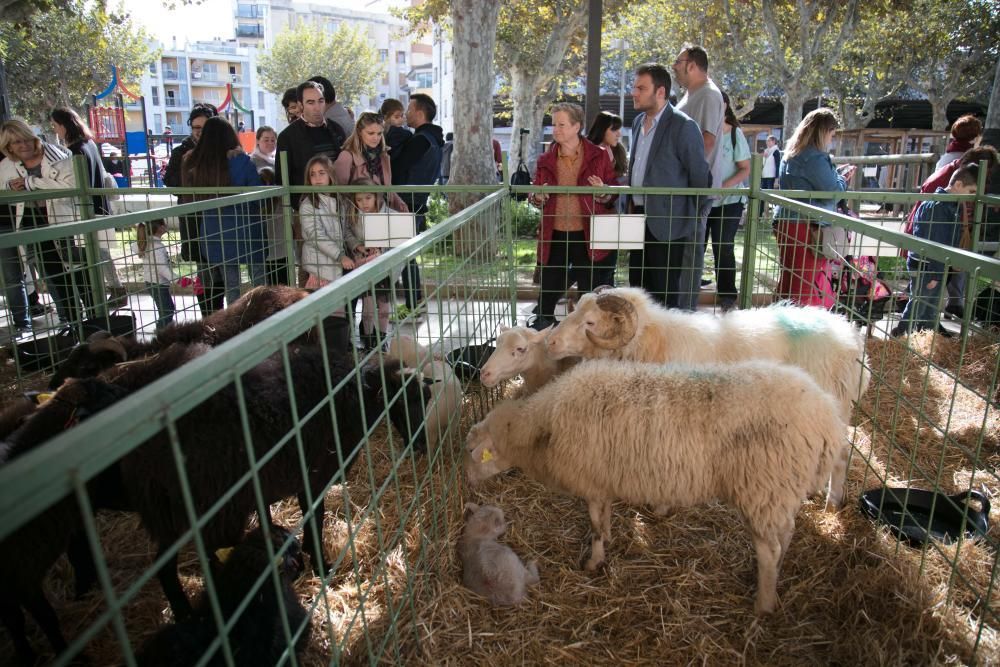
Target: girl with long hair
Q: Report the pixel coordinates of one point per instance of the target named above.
(232, 235)
(325, 256)
(724, 219)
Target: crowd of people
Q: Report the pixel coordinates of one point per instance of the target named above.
(694, 142)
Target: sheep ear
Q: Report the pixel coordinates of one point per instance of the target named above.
(504, 327)
(470, 509)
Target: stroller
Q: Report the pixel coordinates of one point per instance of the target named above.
(862, 295)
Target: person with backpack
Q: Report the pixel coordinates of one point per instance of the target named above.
(772, 160)
(418, 163)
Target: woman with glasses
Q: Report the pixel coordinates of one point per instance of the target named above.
(365, 156)
(33, 164)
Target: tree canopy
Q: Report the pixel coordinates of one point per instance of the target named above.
(345, 56)
(64, 52)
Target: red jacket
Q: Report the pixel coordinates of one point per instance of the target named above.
(595, 163)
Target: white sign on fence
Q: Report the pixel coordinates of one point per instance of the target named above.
(388, 230)
(617, 232)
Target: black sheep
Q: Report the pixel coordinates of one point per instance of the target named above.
(257, 638)
(102, 351)
(215, 456)
(27, 554)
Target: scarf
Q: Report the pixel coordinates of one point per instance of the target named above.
(958, 146)
(373, 160)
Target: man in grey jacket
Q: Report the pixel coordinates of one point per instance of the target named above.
(668, 151)
(335, 111)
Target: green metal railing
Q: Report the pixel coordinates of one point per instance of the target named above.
(398, 508)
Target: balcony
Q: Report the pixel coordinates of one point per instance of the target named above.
(249, 30)
(172, 103)
(170, 74)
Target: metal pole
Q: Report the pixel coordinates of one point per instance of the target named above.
(593, 60)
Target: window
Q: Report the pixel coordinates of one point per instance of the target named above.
(260, 101)
(400, 57)
(157, 123)
(249, 11)
(261, 121)
(425, 80)
(249, 30)
(156, 95)
(331, 25)
(447, 63)
(152, 68)
(383, 55)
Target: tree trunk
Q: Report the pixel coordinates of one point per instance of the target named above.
(530, 103)
(939, 119)
(474, 24)
(795, 98)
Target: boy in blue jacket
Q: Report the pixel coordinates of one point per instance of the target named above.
(935, 221)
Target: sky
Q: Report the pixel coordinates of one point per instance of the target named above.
(208, 20)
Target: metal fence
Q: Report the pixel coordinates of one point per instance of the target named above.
(237, 429)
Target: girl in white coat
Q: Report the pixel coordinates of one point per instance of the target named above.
(324, 256)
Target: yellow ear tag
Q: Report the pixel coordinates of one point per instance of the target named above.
(223, 554)
(487, 456)
(42, 399)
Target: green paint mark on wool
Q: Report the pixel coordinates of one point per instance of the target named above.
(800, 323)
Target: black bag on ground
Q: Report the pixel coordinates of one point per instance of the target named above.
(467, 361)
(907, 514)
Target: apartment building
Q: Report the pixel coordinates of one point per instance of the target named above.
(200, 72)
(407, 61)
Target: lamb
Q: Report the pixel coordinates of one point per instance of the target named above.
(257, 637)
(446, 390)
(489, 568)
(27, 555)
(101, 351)
(521, 351)
(625, 323)
(216, 459)
(756, 435)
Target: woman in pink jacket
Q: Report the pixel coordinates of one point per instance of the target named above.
(365, 156)
(564, 251)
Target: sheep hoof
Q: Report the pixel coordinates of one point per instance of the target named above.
(592, 565)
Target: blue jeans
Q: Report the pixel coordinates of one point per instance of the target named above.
(12, 280)
(923, 308)
(164, 303)
(231, 279)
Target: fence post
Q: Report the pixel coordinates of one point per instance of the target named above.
(98, 294)
(750, 233)
(291, 275)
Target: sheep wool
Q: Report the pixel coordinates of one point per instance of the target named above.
(758, 436)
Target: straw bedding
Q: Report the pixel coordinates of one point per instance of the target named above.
(677, 589)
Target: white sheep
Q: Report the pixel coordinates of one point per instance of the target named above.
(490, 568)
(521, 351)
(446, 390)
(625, 323)
(755, 435)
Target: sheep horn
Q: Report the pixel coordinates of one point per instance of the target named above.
(625, 322)
(111, 345)
(601, 289)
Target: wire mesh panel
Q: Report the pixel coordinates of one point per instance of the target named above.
(347, 452)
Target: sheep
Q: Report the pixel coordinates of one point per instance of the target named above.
(257, 637)
(446, 390)
(625, 323)
(489, 568)
(755, 435)
(521, 351)
(215, 457)
(28, 553)
(101, 351)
